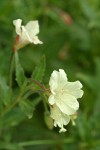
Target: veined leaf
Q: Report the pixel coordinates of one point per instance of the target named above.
(28, 107)
(12, 118)
(39, 71)
(5, 91)
(20, 75)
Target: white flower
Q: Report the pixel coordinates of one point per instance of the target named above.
(63, 93)
(26, 34)
(63, 99)
(60, 119)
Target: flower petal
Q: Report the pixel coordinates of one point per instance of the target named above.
(67, 104)
(74, 88)
(72, 102)
(51, 99)
(23, 40)
(32, 28)
(35, 40)
(62, 130)
(53, 81)
(17, 23)
(25, 36)
(62, 78)
(60, 119)
(57, 80)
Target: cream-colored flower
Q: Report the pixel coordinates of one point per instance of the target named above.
(26, 34)
(63, 93)
(60, 119)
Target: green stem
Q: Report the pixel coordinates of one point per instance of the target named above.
(43, 90)
(11, 69)
(9, 107)
(44, 142)
(45, 104)
(11, 146)
(22, 91)
(38, 83)
(11, 73)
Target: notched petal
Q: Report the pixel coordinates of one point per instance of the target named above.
(17, 23)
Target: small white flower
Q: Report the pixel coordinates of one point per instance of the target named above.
(63, 93)
(60, 119)
(26, 34)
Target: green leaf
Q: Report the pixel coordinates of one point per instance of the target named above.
(28, 107)
(20, 75)
(4, 91)
(10, 146)
(96, 114)
(92, 81)
(89, 80)
(39, 71)
(12, 118)
(87, 9)
(81, 125)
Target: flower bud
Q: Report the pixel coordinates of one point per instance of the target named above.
(48, 120)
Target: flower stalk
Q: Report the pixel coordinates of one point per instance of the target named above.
(11, 69)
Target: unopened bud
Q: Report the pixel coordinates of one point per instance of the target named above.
(73, 118)
(48, 120)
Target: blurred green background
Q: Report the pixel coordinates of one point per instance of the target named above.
(70, 31)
